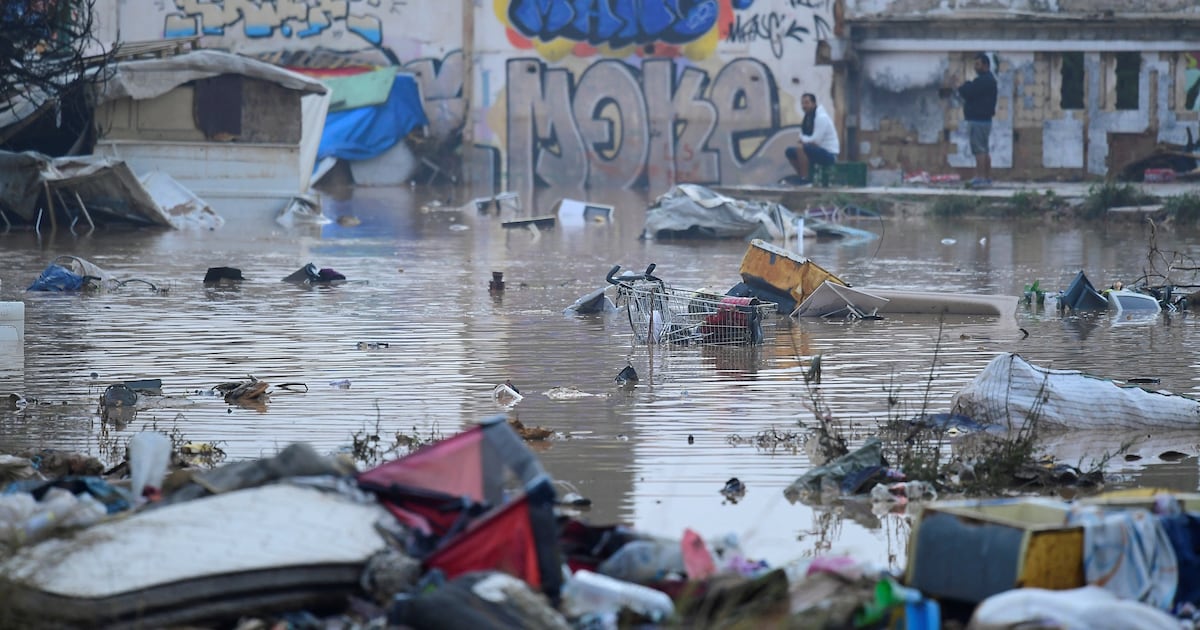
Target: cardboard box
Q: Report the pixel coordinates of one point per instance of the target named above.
(970, 550)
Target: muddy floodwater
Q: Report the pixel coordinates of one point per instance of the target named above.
(421, 343)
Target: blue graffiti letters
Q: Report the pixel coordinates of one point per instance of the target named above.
(614, 22)
(268, 18)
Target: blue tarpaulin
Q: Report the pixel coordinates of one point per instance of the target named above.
(58, 278)
(365, 132)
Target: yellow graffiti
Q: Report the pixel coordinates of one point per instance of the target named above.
(555, 49)
(702, 48)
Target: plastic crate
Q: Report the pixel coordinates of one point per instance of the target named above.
(970, 550)
(840, 174)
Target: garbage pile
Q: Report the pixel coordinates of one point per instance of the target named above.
(470, 531)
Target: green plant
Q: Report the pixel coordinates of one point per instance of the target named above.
(1110, 194)
(1183, 208)
(954, 206)
(1030, 203)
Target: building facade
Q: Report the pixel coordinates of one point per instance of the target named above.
(613, 93)
(1085, 87)
(563, 93)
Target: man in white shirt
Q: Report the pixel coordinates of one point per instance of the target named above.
(818, 140)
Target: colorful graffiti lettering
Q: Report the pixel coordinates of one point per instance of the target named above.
(614, 22)
(267, 18)
(621, 126)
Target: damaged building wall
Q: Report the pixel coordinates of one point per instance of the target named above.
(409, 35)
(710, 95)
(1082, 92)
(905, 122)
(628, 95)
(934, 7)
(226, 108)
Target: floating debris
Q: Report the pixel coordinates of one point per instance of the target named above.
(530, 434)
(734, 490)
(506, 394)
(627, 376)
(568, 393)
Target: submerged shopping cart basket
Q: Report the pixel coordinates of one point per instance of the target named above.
(662, 314)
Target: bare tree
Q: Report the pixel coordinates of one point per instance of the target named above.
(48, 52)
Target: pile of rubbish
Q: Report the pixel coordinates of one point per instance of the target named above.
(470, 531)
(691, 211)
(1081, 296)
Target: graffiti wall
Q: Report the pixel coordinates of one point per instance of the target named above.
(616, 93)
(578, 93)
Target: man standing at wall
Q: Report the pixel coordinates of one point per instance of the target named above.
(818, 141)
(979, 107)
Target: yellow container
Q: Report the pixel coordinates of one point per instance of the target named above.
(970, 550)
(766, 266)
(1142, 498)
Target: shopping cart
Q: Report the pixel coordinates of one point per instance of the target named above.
(660, 314)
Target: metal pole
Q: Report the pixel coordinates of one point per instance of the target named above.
(468, 74)
(86, 215)
(50, 207)
(66, 209)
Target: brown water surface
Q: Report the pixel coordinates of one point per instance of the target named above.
(418, 283)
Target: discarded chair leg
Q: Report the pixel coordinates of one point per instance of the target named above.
(66, 210)
(86, 214)
(50, 207)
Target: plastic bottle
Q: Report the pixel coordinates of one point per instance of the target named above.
(149, 457)
(644, 561)
(586, 592)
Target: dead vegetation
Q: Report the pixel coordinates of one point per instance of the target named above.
(955, 457)
(372, 446)
(770, 440)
